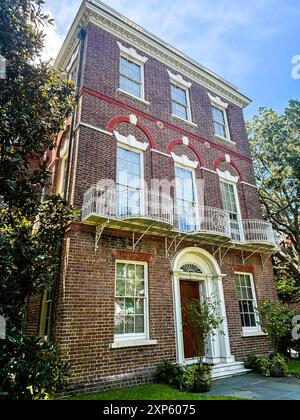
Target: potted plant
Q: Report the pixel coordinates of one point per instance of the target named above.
(275, 320)
(203, 319)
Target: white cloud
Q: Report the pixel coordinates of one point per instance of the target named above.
(53, 42)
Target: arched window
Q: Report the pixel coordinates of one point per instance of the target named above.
(191, 268)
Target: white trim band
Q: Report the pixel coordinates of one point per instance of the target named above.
(133, 343)
(131, 141)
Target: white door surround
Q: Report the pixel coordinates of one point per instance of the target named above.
(217, 346)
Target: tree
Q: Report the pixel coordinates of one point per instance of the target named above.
(34, 102)
(275, 143)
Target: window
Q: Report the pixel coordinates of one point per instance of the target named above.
(45, 316)
(131, 77)
(185, 199)
(131, 307)
(220, 122)
(129, 200)
(63, 169)
(247, 301)
(231, 205)
(180, 102)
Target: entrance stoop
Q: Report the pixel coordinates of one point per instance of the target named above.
(225, 370)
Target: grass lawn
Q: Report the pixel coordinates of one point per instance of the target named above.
(148, 392)
(294, 367)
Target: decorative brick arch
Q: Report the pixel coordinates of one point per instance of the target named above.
(222, 159)
(176, 142)
(125, 119)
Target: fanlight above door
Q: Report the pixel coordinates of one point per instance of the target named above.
(191, 268)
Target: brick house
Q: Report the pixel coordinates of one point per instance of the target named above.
(157, 160)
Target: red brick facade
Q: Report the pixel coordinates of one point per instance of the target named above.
(84, 308)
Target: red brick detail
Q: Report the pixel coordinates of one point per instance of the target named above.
(122, 254)
(176, 142)
(244, 268)
(125, 119)
(236, 167)
(136, 111)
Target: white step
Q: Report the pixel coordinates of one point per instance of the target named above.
(224, 370)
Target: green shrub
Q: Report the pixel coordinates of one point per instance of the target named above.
(263, 364)
(169, 374)
(195, 374)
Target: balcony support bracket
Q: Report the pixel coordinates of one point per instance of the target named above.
(222, 256)
(265, 259)
(136, 242)
(99, 230)
(175, 241)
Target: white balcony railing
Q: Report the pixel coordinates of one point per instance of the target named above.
(207, 220)
(121, 203)
(258, 231)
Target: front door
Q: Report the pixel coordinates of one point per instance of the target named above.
(189, 291)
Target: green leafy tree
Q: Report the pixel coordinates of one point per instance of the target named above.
(34, 102)
(276, 321)
(275, 143)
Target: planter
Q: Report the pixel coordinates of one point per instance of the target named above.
(276, 371)
(203, 382)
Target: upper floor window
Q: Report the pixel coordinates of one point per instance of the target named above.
(219, 111)
(132, 72)
(247, 302)
(186, 204)
(231, 204)
(45, 316)
(131, 301)
(72, 67)
(129, 199)
(180, 102)
(63, 170)
(131, 77)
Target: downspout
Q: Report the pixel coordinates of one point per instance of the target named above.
(81, 36)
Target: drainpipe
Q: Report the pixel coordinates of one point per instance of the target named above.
(81, 36)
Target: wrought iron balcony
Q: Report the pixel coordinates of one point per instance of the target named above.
(127, 207)
(208, 222)
(152, 212)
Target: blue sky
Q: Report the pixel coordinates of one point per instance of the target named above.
(249, 43)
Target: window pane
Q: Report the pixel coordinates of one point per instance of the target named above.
(129, 325)
(131, 87)
(120, 307)
(179, 95)
(179, 110)
(130, 287)
(119, 325)
(121, 271)
(220, 130)
(140, 288)
(140, 272)
(129, 306)
(218, 116)
(139, 325)
(139, 306)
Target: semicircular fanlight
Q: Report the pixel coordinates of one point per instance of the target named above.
(191, 268)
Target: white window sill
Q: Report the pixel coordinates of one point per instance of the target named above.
(233, 143)
(133, 343)
(132, 96)
(253, 334)
(185, 121)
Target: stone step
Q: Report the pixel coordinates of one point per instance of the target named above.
(229, 369)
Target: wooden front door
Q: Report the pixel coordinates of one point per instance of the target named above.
(189, 291)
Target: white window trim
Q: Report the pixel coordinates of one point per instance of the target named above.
(252, 331)
(132, 55)
(217, 102)
(188, 168)
(62, 163)
(226, 177)
(177, 79)
(131, 141)
(130, 340)
(185, 161)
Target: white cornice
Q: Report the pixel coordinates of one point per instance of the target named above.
(178, 79)
(132, 53)
(216, 100)
(227, 176)
(185, 161)
(131, 141)
(98, 13)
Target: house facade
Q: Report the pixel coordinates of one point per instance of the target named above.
(157, 159)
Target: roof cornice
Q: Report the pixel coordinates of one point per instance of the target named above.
(102, 15)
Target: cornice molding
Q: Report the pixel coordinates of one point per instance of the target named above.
(133, 34)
